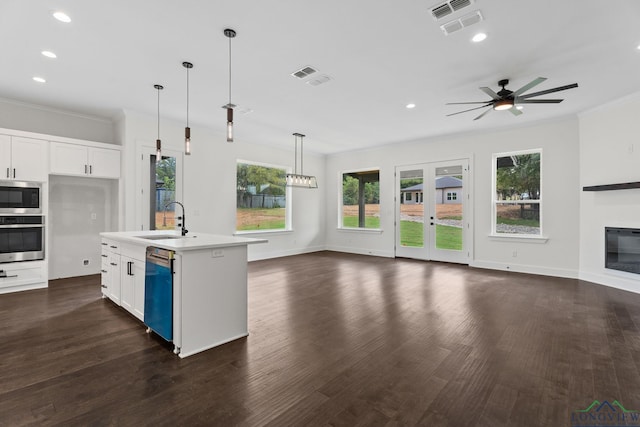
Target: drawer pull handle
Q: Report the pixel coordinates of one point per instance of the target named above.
(104, 271)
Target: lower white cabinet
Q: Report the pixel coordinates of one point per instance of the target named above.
(132, 285)
(123, 268)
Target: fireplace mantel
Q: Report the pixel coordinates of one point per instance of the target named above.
(609, 187)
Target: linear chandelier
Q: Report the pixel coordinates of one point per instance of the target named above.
(300, 179)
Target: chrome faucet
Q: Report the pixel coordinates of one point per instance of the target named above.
(183, 225)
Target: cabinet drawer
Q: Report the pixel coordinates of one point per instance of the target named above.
(133, 251)
(110, 246)
(21, 273)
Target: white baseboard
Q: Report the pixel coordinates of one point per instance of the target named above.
(360, 251)
(530, 269)
(613, 281)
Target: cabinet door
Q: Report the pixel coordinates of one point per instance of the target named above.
(104, 163)
(29, 159)
(127, 295)
(68, 159)
(5, 157)
(138, 289)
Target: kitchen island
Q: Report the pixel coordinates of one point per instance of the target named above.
(209, 298)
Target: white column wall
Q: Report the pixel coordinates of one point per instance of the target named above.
(609, 154)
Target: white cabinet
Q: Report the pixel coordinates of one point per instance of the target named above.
(110, 277)
(22, 276)
(132, 283)
(123, 268)
(23, 159)
(82, 160)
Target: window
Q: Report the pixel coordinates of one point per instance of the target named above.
(407, 197)
(517, 195)
(452, 196)
(162, 192)
(360, 206)
(261, 199)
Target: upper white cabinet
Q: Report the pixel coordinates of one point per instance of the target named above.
(23, 159)
(76, 159)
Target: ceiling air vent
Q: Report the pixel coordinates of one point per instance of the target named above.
(464, 22)
(322, 79)
(447, 8)
(304, 72)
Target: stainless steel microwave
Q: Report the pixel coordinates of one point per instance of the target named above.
(20, 197)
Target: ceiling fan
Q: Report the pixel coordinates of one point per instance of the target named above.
(505, 99)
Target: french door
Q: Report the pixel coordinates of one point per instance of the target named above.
(432, 211)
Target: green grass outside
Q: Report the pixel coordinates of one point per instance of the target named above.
(447, 237)
(369, 221)
(261, 219)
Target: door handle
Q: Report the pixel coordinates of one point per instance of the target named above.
(129, 269)
(90, 170)
(7, 172)
(14, 172)
(85, 169)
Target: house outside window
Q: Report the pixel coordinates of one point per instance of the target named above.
(360, 201)
(517, 193)
(262, 199)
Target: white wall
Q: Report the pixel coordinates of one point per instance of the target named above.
(39, 119)
(609, 154)
(210, 187)
(560, 179)
(79, 209)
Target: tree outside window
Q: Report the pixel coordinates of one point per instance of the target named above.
(517, 193)
(261, 199)
(361, 199)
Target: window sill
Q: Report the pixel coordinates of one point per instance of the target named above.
(518, 238)
(360, 230)
(247, 232)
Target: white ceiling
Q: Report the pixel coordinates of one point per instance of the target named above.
(380, 55)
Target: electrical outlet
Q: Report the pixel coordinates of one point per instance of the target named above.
(94, 215)
(85, 262)
(217, 253)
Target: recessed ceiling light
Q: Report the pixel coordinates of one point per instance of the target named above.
(638, 47)
(479, 37)
(49, 54)
(39, 79)
(410, 106)
(61, 16)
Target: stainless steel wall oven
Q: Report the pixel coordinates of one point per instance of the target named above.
(21, 238)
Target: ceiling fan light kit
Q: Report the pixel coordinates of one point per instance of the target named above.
(506, 99)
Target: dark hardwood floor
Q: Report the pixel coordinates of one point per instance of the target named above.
(335, 339)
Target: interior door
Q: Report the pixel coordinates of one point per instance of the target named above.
(431, 211)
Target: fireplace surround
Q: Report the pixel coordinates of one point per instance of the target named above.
(622, 249)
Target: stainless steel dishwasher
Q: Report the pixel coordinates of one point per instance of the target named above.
(158, 292)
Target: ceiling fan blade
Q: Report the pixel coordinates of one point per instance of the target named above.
(491, 93)
(515, 111)
(462, 103)
(470, 109)
(539, 101)
(483, 114)
(528, 86)
(544, 92)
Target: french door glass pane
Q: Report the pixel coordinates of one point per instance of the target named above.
(412, 208)
(449, 192)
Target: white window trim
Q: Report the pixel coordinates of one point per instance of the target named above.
(340, 199)
(288, 227)
(515, 236)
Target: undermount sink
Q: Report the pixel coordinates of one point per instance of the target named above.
(161, 237)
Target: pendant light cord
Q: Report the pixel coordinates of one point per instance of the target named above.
(158, 113)
(229, 70)
(187, 97)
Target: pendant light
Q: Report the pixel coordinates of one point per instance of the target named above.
(187, 129)
(230, 34)
(300, 179)
(158, 142)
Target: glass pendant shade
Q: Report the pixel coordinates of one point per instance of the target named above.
(229, 124)
(187, 141)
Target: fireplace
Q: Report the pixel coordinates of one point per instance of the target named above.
(622, 249)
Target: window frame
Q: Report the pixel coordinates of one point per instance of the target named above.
(341, 174)
(495, 202)
(288, 200)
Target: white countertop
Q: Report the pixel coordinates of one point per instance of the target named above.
(175, 242)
